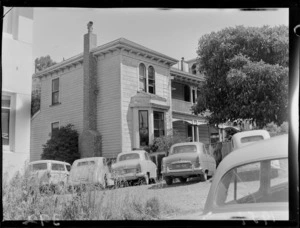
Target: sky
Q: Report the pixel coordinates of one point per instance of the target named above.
(58, 32)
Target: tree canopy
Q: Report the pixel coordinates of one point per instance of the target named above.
(246, 71)
(43, 62)
(63, 145)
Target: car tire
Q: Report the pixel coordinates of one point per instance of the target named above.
(182, 179)
(204, 176)
(169, 180)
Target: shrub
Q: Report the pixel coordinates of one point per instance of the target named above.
(275, 130)
(63, 145)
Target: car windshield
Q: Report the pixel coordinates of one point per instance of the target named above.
(130, 156)
(39, 166)
(264, 181)
(184, 149)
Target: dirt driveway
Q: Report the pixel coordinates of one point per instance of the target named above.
(181, 198)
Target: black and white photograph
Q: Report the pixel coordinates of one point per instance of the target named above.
(147, 114)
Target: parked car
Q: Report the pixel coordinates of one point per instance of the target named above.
(186, 160)
(91, 171)
(133, 166)
(245, 138)
(240, 192)
(49, 173)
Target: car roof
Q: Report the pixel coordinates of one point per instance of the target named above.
(89, 159)
(188, 143)
(251, 133)
(46, 161)
(275, 147)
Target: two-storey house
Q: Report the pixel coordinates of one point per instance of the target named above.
(119, 96)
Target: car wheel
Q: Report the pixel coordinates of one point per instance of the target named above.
(182, 179)
(204, 176)
(169, 180)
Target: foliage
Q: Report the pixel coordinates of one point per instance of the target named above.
(35, 101)
(63, 145)
(246, 71)
(275, 130)
(43, 62)
(164, 143)
(40, 64)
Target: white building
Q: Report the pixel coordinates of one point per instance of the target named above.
(17, 70)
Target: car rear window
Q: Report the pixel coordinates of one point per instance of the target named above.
(86, 163)
(130, 156)
(253, 138)
(184, 149)
(57, 167)
(39, 166)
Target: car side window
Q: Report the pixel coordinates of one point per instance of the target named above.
(68, 167)
(57, 167)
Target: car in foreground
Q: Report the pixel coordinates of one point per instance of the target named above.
(247, 186)
(134, 166)
(187, 160)
(245, 138)
(49, 173)
(92, 171)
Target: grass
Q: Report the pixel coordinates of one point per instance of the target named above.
(22, 200)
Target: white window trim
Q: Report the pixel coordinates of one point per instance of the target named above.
(147, 78)
(59, 91)
(12, 118)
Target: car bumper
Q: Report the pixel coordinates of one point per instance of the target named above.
(129, 176)
(183, 172)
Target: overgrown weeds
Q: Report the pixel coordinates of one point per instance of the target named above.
(23, 199)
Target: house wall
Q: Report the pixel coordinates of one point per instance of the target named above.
(109, 104)
(70, 111)
(17, 70)
(130, 86)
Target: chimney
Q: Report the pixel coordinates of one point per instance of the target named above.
(89, 80)
(90, 138)
(182, 64)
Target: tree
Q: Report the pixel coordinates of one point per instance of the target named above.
(63, 145)
(246, 71)
(40, 64)
(43, 62)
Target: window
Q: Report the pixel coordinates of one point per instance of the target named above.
(142, 77)
(58, 167)
(54, 127)
(143, 128)
(151, 80)
(5, 120)
(55, 91)
(39, 166)
(131, 156)
(252, 138)
(68, 167)
(159, 124)
(184, 149)
(86, 163)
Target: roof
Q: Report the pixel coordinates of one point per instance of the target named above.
(43, 161)
(186, 76)
(119, 44)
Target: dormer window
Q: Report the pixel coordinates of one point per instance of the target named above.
(142, 76)
(151, 80)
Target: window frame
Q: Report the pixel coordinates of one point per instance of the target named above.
(152, 84)
(11, 121)
(144, 77)
(53, 92)
(159, 121)
(54, 128)
(139, 127)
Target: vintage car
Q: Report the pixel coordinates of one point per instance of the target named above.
(247, 187)
(134, 166)
(245, 138)
(186, 160)
(91, 171)
(49, 172)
